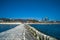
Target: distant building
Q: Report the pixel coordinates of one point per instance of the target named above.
(46, 19)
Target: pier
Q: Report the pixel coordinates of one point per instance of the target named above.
(39, 35)
(17, 33)
(24, 32)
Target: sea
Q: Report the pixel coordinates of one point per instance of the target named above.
(48, 29)
(5, 27)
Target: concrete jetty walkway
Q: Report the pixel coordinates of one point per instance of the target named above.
(17, 33)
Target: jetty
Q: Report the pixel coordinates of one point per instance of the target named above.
(17, 33)
(24, 32)
(39, 35)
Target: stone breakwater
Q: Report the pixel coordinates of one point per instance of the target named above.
(13, 34)
(39, 35)
(17, 33)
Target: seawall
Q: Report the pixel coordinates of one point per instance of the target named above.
(39, 35)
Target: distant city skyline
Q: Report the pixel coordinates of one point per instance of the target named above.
(35, 9)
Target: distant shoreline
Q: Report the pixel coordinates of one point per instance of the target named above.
(10, 23)
(25, 23)
(42, 23)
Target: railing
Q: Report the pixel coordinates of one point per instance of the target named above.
(39, 35)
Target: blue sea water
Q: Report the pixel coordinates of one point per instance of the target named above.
(5, 27)
(48, 29)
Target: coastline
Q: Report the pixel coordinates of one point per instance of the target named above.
(42, 23)
(25, 23)
(10, 23)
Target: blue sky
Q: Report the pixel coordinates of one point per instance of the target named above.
(36, 9)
